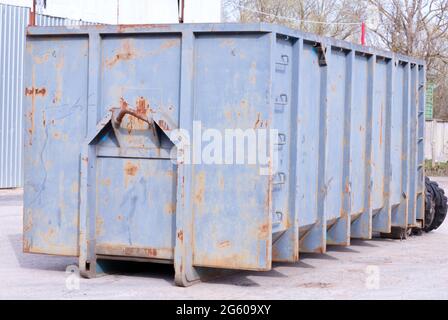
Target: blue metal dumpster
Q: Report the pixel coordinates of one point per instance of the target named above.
(110, 112)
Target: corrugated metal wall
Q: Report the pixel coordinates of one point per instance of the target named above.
(13, 22)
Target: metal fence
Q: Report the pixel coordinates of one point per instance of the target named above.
(436, 146)
(13, 23)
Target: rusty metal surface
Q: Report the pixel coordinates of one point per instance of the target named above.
(349, 122)
(13, 22)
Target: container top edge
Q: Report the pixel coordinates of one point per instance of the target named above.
(104, 29)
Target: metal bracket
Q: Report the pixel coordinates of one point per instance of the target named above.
(118, 118)
(322, 53)
(279, 178)
(281, 139)
(284, 60)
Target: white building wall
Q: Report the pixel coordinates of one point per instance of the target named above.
(436, 141)
(129, 11)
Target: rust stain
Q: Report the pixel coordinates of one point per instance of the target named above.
(57, 97)
(259, 123)
(99, 222)
(183, 190)
(169, 208)
(49, 235)
(152, 252)
(333, 88)
(29, 47)
(75, 187)
(26, 246)
(224, 244)
(127, 52)
(44, 121)
(123, 104)
(263, 231)
(169, 44)
(132, 251)
(59, 80)
(29, 222)
(180, 235)
(35, 91)
(170, 173)
(106, 182)
(41, 59)
(125, 27)
(60, 63)
(200, 188)
(130, 125)
(142, 109)
(221, 183)
(149, 252)
(228, 115)
(253, 73)
(141, 106)
(347, 188)
(227, 43)
(33, 108)
(130, 169)
(163, 125)
(244, 104)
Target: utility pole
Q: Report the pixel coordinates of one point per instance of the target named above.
(363, 33)
(32, 21)
(180, 6)
(118, 11)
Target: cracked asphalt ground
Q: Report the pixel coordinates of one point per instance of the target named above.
(416, 268)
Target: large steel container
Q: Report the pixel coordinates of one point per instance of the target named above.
(102, 181)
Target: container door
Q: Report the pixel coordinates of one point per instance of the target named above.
(136, 180)
(231, 194)
(55, 120)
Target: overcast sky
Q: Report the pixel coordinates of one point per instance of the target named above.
(130, 11)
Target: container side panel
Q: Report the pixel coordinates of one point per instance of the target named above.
(412, 151)
(421, 130)
(231, 203)
(308, 136)
(280, 122)
(397, 137)
(335, 134)
(379, 134)
(136, 205)
(358, 134)
(55, 126)
(421, 143)
(141, 68)
(284, 246)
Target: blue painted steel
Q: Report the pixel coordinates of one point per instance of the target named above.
(350, 144)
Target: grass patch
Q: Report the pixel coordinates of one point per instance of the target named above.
(438, 170)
